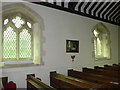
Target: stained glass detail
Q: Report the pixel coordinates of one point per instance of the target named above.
(9, 43)
(18, 21)
(6, 21)
(29, 24)
(25, 44)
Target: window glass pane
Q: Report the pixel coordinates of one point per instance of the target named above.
(29, 24)
(18, 21)
(99, 46)
(101, 42)
(6, 21)
(9, 43)
(25, 44)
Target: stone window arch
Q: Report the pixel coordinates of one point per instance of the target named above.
(21, 34)
(102, 47)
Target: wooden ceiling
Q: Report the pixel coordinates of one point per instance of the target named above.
(104, 10)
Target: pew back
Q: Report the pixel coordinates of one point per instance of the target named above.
(92, 77)
(114, 74)
(60, 81)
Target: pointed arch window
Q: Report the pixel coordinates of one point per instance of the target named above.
(102, 48)
(20, 35)
(17, 38)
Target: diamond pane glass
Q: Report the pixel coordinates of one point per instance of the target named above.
(6, 21)
(25, 44)
(18, 21)
(9, 43)
(29, 24)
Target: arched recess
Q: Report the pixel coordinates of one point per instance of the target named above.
(10, 10)
(102, 46)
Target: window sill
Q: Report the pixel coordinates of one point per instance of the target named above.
(18, 64)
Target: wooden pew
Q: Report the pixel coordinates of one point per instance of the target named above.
(114, 64)
(36, 84)
(114, 67)
(111, 68)
(4, 80)
(60, 81)
(92, 77)
(7, 85)
(113, 74)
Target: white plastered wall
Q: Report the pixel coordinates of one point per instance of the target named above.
(58, 27)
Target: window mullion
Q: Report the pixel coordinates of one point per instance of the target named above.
(17, 47)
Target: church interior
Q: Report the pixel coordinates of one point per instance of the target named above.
(60, 44)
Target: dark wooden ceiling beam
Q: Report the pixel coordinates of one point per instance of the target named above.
(117, 19)
(54, 2)
(116, 15)
(90, 10)
(113, 8)
(116, 10)
(87, 5)
(73, 11)
(72, 5)
(80, 5)
(62, 3)
(107, 9)
(101, 10)
(100, 4)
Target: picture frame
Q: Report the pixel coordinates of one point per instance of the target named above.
(72, 46)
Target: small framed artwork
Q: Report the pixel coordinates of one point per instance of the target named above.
(72, 46)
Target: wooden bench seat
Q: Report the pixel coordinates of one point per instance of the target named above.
(36, 84)
(60, 81)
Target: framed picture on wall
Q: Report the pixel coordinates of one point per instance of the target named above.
(72, 46)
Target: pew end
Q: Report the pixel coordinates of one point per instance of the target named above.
(8, 84)
(28, 75)
(114, 64)
(96, 67)
(106, 65)
(69, 71)
(4, 80)
(52, 72)
(84, 69)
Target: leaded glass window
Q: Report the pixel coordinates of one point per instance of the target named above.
(102, 48)
(17, 38)
(25, 44)
(9, 43)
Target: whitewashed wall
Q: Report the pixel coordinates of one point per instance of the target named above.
(58, 27)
